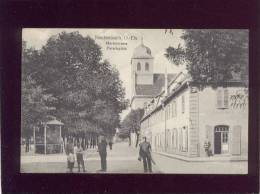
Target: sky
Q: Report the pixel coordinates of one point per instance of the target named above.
(156, 39)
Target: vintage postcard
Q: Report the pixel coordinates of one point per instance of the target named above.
(164, 101)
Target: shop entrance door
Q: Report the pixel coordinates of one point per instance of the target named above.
(217, 141)
(221, 139)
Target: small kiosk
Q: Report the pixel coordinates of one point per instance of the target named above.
(47, 137)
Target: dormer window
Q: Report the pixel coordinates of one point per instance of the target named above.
(146, 66)
(138, 66)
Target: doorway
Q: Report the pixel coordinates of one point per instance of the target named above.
(221, 139)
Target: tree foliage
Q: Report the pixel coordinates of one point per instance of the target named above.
(131, 122)
(213, 55)
(33, 100)
(88, 92)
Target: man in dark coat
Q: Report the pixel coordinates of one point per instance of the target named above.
(110, 145)
(145, 154)
(102, 149)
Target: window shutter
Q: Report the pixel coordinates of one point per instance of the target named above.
(226, 98)
(180, 142)
(219, 98)
(236, 140)
(183, 104)
(176, 138)
(138, 66)
(175, 107)
(173, 138)
(166, 112)
(171, 104)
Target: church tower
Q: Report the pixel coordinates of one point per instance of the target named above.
(146, 84)
(141, 67)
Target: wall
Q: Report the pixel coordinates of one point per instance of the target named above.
(145, 79)
(154, 127)
(201, 112)
(194, 123)
(210, 116)
(181, 120)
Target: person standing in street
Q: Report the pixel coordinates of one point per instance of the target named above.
(110, 145)
(102, 149)
(69, 149)
(71, 161)
(79, 156)
(145, 154)
(27, 144)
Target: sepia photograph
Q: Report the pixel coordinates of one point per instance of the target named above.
(152, 101)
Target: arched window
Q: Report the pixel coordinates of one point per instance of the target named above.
(138, 66)
(146, 66)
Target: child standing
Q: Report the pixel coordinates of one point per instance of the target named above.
(71, 161)
(80, 160)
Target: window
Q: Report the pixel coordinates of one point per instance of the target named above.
(225, 137)
(176, 139)
(225, 98)
(174, 110)
(185, 139)
(138, 66)
(219, 98)
(182, 104)
(222, 98)
(146, 66)
(170, 110)
(168, 138)
(173, 142)
(180, 139)
(160, 137)
(168, 116)
(166, 112)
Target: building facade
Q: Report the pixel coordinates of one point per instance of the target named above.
(183, 117)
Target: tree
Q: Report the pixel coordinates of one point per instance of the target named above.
(131, 123)
(88, 92)
(33, 100)
(213, 56)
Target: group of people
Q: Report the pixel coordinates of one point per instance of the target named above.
(77, 152)
(72, 151)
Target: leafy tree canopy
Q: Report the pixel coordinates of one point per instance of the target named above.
(88, 92)
(131, 122)
(213, 55)
(33, 99)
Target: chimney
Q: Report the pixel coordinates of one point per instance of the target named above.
(166, 83)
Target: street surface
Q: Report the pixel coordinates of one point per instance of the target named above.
(123, 159)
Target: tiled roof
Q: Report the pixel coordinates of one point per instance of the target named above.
(156, 88)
